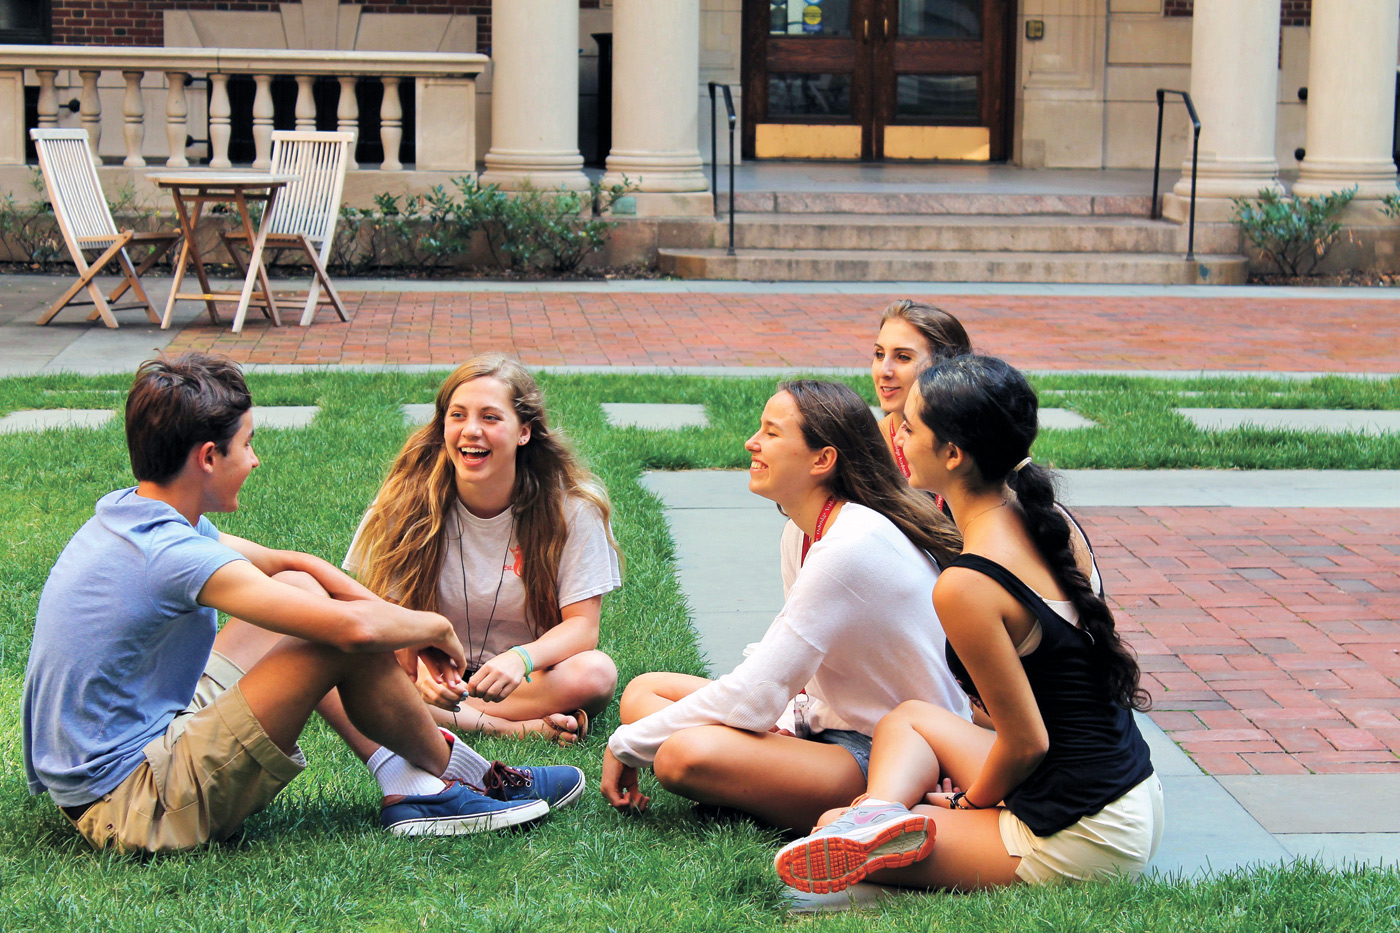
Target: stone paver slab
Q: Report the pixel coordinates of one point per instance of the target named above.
(1320, 803)
(1341, 850)
(1064, 419)
(1327, 420)
(416, 413)
(44, 419)
(655, 416)
(280, 417)
(1234, 488)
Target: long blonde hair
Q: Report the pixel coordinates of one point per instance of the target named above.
(400, 549)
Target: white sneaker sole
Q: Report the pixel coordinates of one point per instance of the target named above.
(466, 825)
(825, 864)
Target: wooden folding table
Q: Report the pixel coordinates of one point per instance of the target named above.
(192, 190)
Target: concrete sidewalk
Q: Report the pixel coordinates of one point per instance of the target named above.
(726, 542)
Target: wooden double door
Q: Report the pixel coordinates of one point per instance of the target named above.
(877, 79)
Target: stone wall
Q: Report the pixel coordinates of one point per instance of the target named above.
(140, 22)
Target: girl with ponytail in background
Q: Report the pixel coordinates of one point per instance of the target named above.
(1063, 788)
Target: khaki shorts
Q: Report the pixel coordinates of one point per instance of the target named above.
(212, 769)
(1119, 840)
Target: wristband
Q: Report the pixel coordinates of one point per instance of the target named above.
(959, 801)
(529, 664)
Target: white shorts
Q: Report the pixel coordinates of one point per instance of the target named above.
(1119, 840)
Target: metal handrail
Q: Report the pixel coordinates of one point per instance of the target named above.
(714, 155)
(1157, 164)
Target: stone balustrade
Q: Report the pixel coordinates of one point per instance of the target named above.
(444, 84)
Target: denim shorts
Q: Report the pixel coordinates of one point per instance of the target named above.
(857, 743)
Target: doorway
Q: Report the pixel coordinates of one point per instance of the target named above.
(877, 80)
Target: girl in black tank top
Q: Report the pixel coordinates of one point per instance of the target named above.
(1062, 786)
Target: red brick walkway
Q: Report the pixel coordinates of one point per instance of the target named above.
(1269, 638)
(683, 329)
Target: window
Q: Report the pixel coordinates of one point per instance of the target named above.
(26, 21)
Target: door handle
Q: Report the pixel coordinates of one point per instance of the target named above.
(867, 29)
(887, 28)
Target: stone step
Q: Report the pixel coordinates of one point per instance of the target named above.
(951, 202)
(796, 265)
(952, 232)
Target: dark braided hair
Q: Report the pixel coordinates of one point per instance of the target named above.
(987, 408)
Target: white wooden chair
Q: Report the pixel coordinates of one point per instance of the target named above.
(305, 212)
(75, 191)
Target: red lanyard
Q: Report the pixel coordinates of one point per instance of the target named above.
(899, 454)
(821, 526)
(904, 466)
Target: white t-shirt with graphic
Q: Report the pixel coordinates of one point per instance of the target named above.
(480, 589)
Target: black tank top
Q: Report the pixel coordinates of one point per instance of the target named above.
(1096, 752)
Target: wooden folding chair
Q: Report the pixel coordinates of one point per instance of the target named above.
(75, 191)
(305, 212)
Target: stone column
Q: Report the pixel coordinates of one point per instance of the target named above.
(1234, 84)
(1351, 99)
(534, 95)
(655, 132)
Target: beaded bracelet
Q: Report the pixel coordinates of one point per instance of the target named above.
(529, 664)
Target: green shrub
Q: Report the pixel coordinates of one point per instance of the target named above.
(422, 231)
(1390, 205)
(1292, 233)
(30, 229)
(554, 230)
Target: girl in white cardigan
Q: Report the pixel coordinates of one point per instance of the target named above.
(786, 734)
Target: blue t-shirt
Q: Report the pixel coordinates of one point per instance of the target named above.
(119, 644)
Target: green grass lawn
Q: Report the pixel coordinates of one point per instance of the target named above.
(315, 860)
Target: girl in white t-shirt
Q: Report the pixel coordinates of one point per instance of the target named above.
(489, 518)
(787, 732)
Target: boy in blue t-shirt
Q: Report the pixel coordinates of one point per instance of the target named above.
(139, 718)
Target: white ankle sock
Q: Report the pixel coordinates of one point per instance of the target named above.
(396, 775)
(465, 764)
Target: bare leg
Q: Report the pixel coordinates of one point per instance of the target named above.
(546, 705)
(916, 746)
(287, 678)
(647, 693)
(784, 781)
(968, 854)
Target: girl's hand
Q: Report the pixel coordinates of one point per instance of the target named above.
(619, 785)
(438, 680)
(944, 794)
(497, 678)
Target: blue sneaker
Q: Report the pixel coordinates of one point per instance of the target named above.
(558, 785)
(455, 811)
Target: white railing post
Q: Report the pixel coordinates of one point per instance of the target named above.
(177, 112)
(48, 98)
(91, 107)
(134, 119)
(347, 114)
(391, 124)
(306, 103)
(262, 122)
(220, 128)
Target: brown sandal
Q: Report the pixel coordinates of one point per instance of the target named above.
(580, 717)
